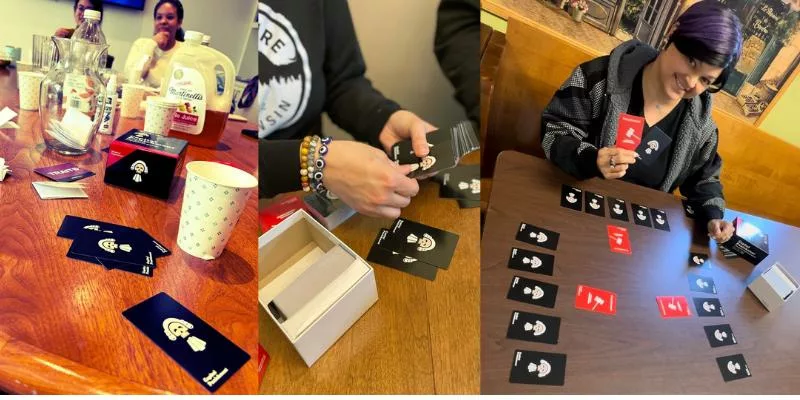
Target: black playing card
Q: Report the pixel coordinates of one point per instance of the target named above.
(461, 182)
(659, 219)
(595, 204)
(203, 352)
(538, 368)
(72, 227)
(378, 254)
(532, 292)
(533, 327)
(689, 208)
(440, 158)
(531, 261)
(537, 236)
(708, 307)
(571, 197)
(145, 270)
(641, 215)
(733, 367)
(115, 247)
(425, 243)
(703, 284)
(720, 335)
(697, 259)
(617, 209)
(653, 145)
(403, 153)
(464, 203)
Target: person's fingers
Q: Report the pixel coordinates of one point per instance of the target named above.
(418, 139)
(402, 184)
(387, 212)
(397, 201)
(615, 175)
(625, 159)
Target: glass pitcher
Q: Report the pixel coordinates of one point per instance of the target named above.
(72, 97)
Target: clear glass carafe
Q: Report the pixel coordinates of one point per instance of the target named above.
(72, 97)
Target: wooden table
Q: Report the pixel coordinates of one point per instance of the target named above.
(420, 337)
(635, 351)
(61, 323)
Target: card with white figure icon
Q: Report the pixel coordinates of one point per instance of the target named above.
(697, 259)
(537, 236)
(532, 292)
(720, 335)
(571, 197)
(653, 145)
(595, 204)
(708, 307)
(618, 239)
(403, 153)
(641, 215)
(690, 209)
(72, 227)
(207, 355)
(673, 307)
(533, 327)
(659, 219)
(114, 247)
(538, 368)
(595, 300)
(617, 209)
(531, 261)
(702, 284)
(733, 367)
(629, 131)
(422, 242)
(393, 259)
(461, 182)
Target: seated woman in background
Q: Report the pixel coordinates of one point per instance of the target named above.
(77, 12)
(150, 57)
(672, 90)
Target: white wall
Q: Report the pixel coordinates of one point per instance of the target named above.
(396, 38)
(228, 22)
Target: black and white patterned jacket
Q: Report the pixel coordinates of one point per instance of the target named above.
(582, 118)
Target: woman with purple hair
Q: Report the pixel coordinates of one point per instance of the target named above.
(671, 89)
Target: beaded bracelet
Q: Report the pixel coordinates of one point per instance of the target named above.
(318, 172)
(305, 145)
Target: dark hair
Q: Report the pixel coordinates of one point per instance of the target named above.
(97, 5)
(179, 7)
(710, 32)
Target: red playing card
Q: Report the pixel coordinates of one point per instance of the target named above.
(629, 131)
(618, 240)
(279, 210)
(596, 300)
(263, 360)
(673, 307)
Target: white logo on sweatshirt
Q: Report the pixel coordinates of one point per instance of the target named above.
(285, 85)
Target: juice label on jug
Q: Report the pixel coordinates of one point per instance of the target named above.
(188, 87)
(78, 92)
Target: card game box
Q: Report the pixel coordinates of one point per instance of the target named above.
(312, 285)
(774, 287)
(748, 241)
(145, 162)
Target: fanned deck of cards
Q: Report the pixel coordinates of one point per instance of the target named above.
(446, 148)
(414, 248)
(112, 246)
(200, 349)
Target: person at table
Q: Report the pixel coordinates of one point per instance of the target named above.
(456, 47)
(149, 57)
(77, 13)
(672, 90)
(322, 70)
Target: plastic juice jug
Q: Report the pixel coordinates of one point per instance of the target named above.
(192, 80)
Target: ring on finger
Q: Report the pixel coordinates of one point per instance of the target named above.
(611, 162)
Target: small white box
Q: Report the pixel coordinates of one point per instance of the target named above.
(774, 287)
(288, 255)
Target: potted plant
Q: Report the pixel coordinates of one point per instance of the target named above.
(578, 9)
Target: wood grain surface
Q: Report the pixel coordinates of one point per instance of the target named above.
(635, 351)
(420, 337)
(68, 313)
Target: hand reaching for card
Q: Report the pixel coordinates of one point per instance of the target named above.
(613, 162)
(720, 230)
(404, 125)
(365, 179)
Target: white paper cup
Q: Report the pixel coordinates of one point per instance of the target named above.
(132, 96)
(29, 83)
(213, 199)
(158, 116)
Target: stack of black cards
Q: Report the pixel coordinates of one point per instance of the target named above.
(200, 349)
(595, 204)
(446, 149)
(414, 248)
(462, 183)
(112, 246)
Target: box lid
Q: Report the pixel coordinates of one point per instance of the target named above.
(141, 139)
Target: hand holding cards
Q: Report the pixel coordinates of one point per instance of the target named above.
(629, 131)
(446, 149)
